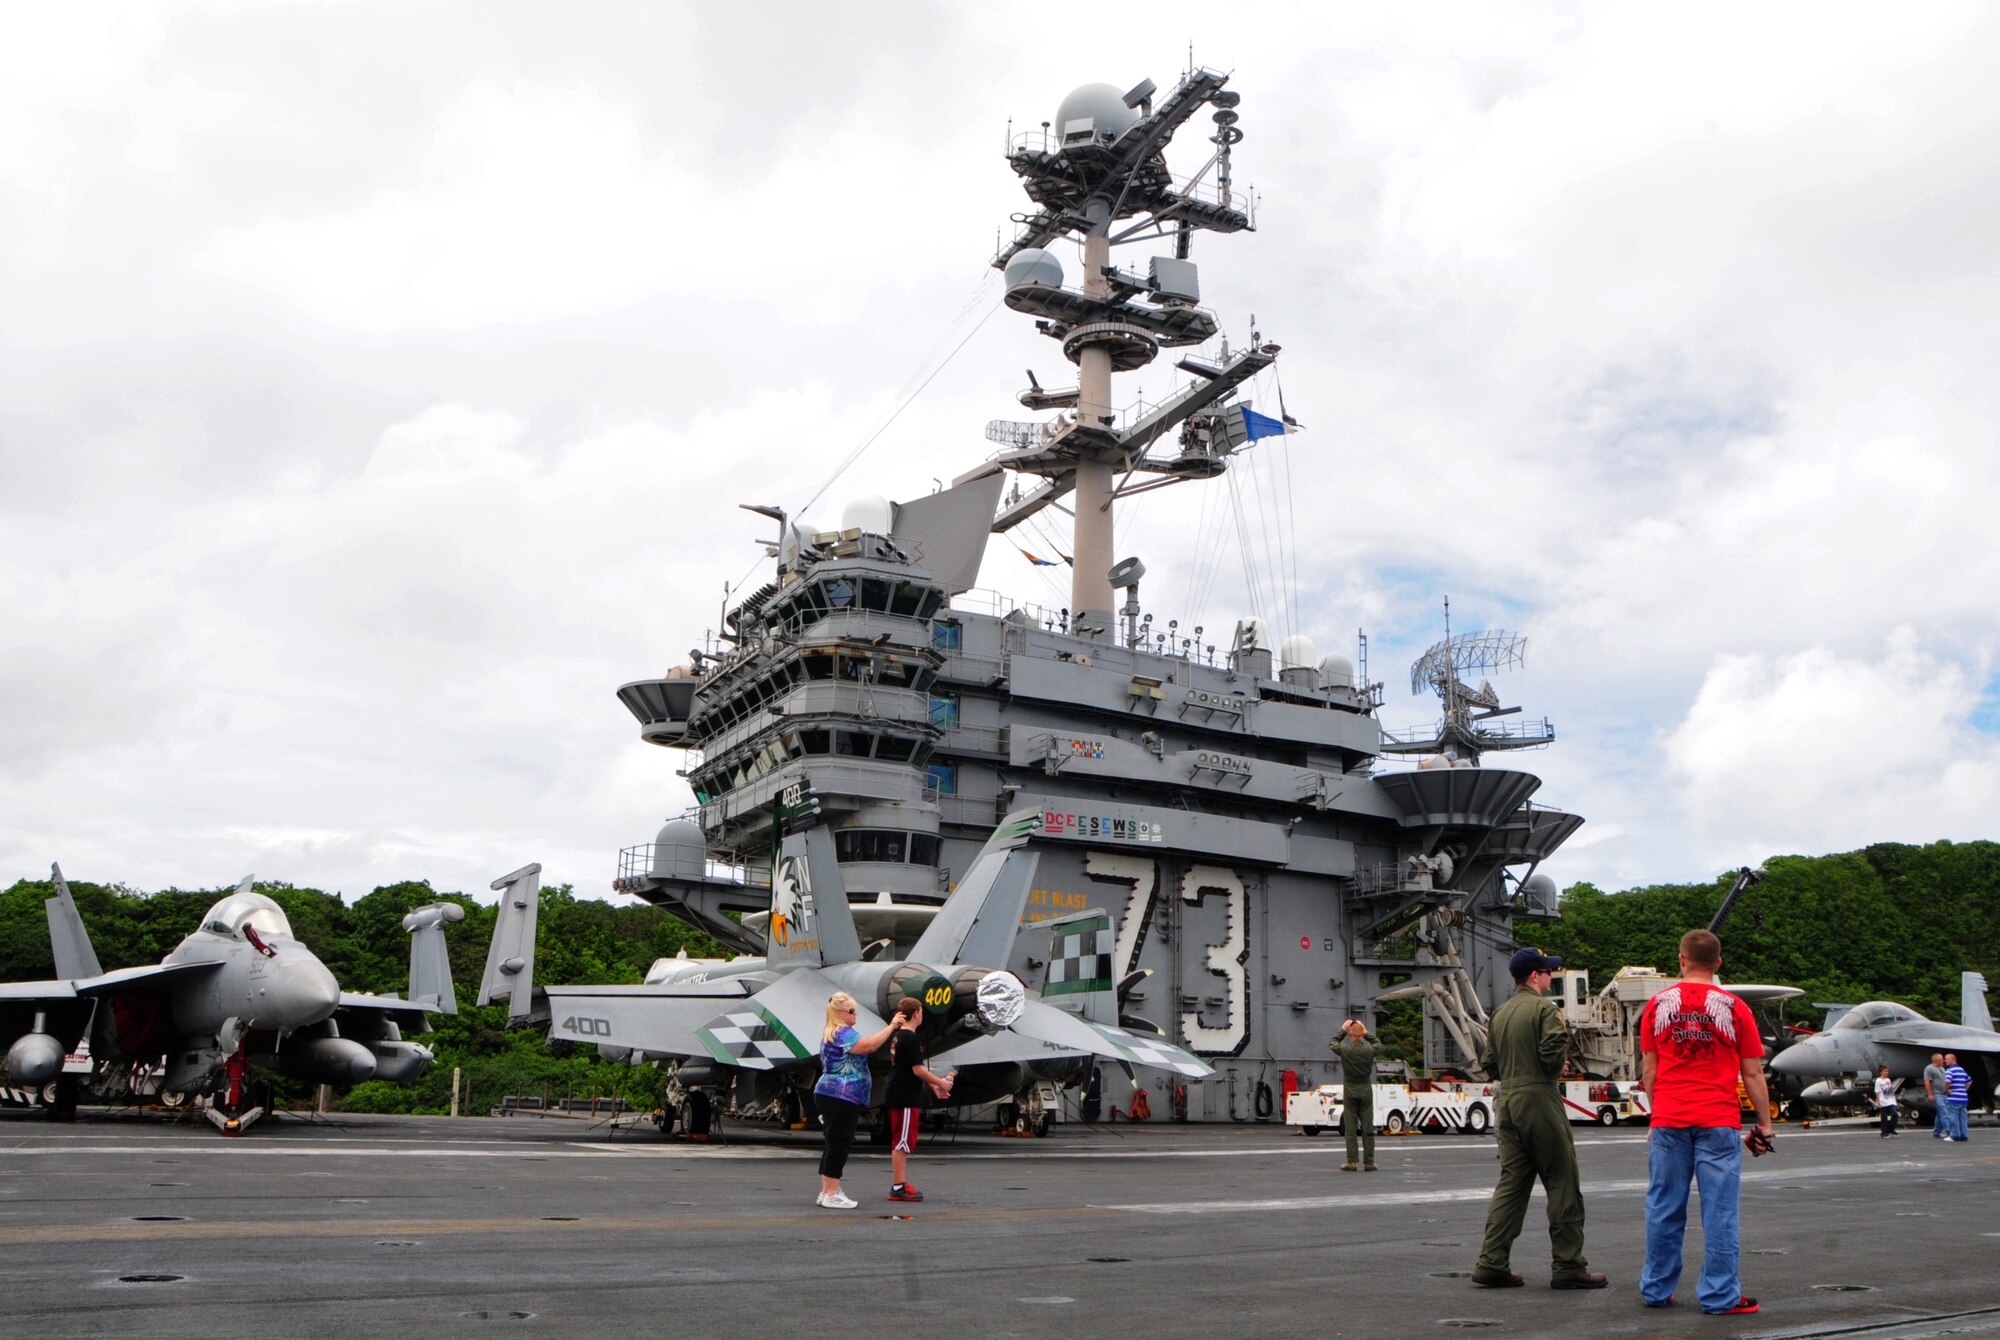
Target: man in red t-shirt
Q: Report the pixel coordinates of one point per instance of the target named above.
(1698, 1040)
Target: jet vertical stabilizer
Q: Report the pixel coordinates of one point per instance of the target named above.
(811, 924)
(430, 963)
(1972, 1010)
(978, 923)
(1079, 978)
(69, 941)
(510, 959)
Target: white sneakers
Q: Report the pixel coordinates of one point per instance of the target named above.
(837, 1201)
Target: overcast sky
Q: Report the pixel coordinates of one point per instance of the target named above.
(378, 384)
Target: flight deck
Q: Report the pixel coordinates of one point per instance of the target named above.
(362, 1226)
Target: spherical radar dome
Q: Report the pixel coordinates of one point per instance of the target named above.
(678, 849)
(1102, 103)
(1032, 265)
(1297, 651)
(1336, 671)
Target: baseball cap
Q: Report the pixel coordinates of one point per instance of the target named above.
(1526, 961)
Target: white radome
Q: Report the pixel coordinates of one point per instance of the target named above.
(1101, 103)
(872, 514)
(1033, 266)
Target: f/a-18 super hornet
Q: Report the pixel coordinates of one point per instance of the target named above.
(751, 1026)
(1883, 1033)
(239, 993)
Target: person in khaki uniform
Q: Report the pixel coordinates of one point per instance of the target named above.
(1524, 1050)
(1357, 1091)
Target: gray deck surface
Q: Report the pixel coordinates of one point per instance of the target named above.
(424, 1227)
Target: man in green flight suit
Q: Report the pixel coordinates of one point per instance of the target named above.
(1524, 1050)
(1357, 1090)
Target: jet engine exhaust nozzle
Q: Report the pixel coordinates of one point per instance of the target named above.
(1001, 1000)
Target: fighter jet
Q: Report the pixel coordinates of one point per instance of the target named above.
(239, 992)
(757, 1022)
(1883, 1033)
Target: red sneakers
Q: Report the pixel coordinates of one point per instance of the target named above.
(1745, 1303)
(908, 1191)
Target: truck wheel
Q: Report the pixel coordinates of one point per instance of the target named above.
(1477, 1121)
(1395, 1125)
(1607, 1116)
(1310, 1130)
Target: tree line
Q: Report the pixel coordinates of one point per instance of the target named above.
(1890, 921)
(364, 945)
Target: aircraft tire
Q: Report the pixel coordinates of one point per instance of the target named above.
(1042, 1124)
(665, 1118)
(696, 1113)
(62, 1107)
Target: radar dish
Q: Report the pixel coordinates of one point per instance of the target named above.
(1126, 572)
(1442, 667)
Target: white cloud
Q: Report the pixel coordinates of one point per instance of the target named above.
(1812, 751)
(370, 409)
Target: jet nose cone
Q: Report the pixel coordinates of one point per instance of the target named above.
(302, 993)
(1801, 1058)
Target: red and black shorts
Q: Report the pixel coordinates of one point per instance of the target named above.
(903, 1129)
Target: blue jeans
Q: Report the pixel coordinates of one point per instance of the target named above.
(1954, 1114)
(1712, 1158)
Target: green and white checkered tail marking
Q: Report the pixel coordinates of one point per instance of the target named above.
(1142, 1049)
(1080, 958)
(752, 1037)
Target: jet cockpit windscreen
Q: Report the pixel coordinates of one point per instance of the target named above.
(254, 910)
(1874, 1014)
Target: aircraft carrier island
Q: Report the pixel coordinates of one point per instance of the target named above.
(1228, 835)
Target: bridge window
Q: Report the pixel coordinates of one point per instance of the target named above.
(885, 845)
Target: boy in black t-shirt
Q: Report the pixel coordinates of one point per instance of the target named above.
(908, 1078)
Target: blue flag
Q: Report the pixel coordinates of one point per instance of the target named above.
(1257, 425)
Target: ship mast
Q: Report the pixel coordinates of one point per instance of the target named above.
(1101, 176)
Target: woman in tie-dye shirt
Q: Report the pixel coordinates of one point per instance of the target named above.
(843, 1090)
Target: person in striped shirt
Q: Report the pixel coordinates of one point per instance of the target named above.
(1958, 1093)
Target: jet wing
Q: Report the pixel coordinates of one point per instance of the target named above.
(1931, 1036)
(1006, 1045)
(779, 1025)
(1046, 1023)
(659, 1019)
(350, 1000)
(1757, 995)
(154, 976)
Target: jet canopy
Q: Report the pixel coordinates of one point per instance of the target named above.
(1876, 1013)
(254, 910)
